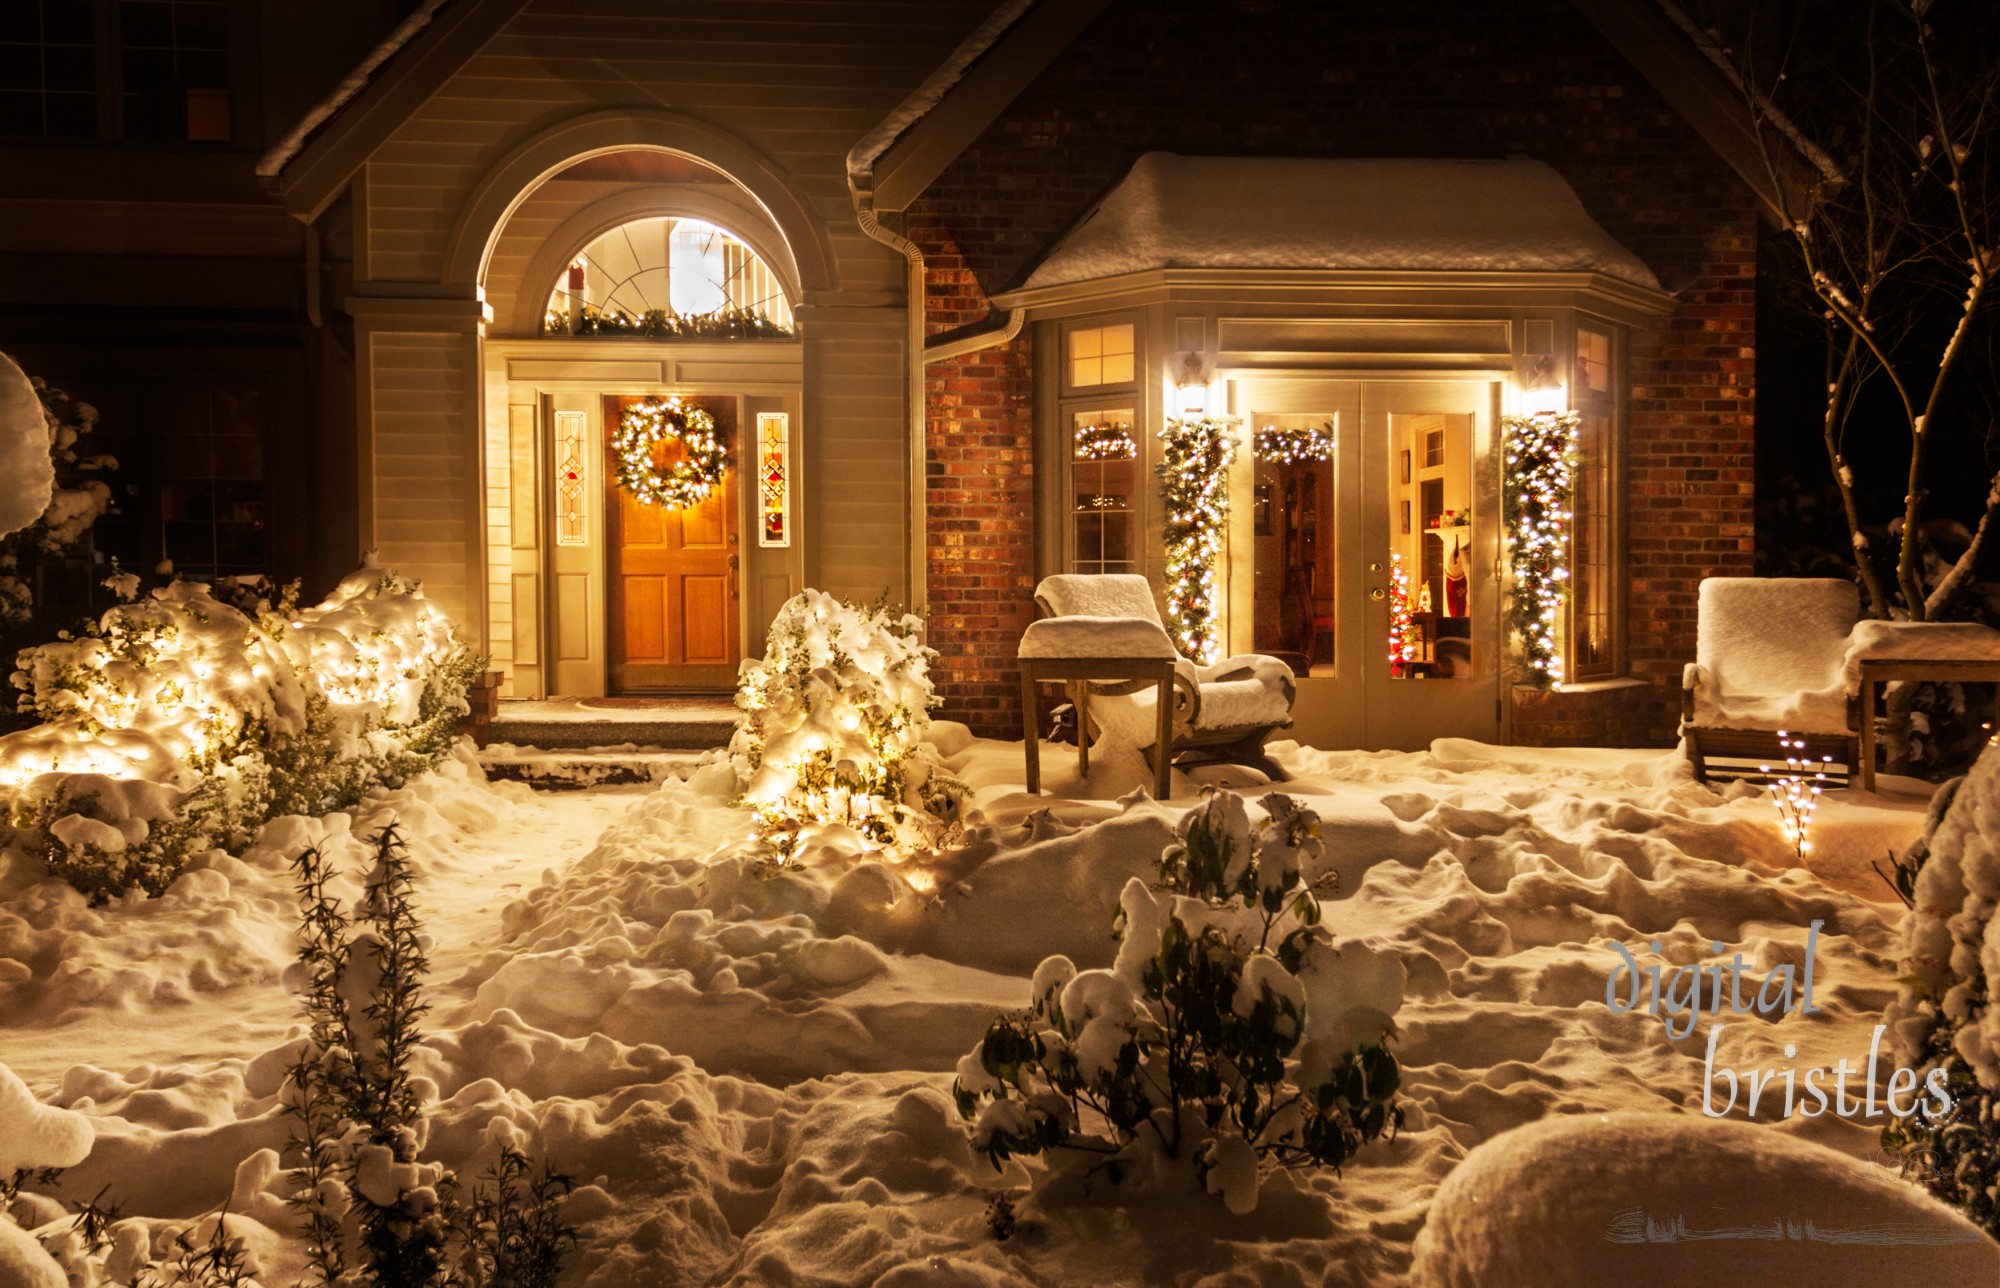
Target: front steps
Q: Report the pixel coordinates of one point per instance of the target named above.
(567, 744)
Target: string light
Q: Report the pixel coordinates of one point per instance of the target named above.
(643, 427)
(1541, 468)
(1403, 637)
(1277, 446)
(1795, 795)
(1110, 442)
(1194, 485)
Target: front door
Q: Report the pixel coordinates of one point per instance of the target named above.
(1374, 523)
(673, 577)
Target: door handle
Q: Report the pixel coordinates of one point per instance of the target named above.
(735, 562)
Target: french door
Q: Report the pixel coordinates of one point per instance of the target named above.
(1371, 511)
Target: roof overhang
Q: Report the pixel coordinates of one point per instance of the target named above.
(1606, 296)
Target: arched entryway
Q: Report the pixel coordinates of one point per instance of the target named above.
(622, 284)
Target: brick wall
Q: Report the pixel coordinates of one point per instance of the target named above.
(1358, 78)
(979, 467)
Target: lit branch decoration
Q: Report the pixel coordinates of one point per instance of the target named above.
(1105, 443)
(1294, 446)
(1194, 484)
(1541, 466)
(652, 421)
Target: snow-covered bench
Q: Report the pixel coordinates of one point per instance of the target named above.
(1221, 713)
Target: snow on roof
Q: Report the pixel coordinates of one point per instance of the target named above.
(861, 158)
(350, 87)
(1297, 212)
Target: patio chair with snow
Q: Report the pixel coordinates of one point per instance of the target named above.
(1769, 657)
(1223, 713)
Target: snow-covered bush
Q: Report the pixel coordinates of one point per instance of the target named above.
(1943, 1017)
(832, 727)
(373, 1211)
(177, 722)
(36, 1143)
(1230, 1031)
(72, 494)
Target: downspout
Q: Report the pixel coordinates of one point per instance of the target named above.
(915, 511)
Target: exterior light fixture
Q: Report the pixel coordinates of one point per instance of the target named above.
(1541, 391)
(1191, 388)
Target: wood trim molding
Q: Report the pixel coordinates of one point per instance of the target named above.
(503, 187)
(310, 181)
(922, 152)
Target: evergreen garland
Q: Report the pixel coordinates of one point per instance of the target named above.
(1108, 442)
(665, 324)
(1194, 484)
(1541, 467)
(644, 426)
(1295, 446)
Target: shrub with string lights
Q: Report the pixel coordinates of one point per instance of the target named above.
(1194, 485)
(1541, 468)
(832, 728)
(647, 424)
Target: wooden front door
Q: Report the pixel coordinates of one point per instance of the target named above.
(673, 576)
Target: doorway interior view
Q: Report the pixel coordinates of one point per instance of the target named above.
(1369, 513)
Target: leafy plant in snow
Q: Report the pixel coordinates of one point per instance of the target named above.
(1230, 1032)
(1943, 1016)
(833, 723)
(79, 498)
(372, 1211)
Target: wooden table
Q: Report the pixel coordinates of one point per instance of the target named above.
(1884, 670)
(1079, 671)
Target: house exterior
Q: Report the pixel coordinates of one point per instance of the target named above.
(961, 261)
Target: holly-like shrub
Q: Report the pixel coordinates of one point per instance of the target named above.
(1230, 1033)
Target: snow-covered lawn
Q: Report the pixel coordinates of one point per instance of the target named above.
(749, 1072)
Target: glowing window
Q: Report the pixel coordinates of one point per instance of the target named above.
(666, 277)
(1101, 356)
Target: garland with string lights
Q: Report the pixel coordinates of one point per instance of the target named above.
(1295, 446)
(1194, 485)
(645, 425)
(1404, 640)
(1541, 467)
(1108, 442)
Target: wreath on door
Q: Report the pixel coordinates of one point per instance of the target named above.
(642, 427)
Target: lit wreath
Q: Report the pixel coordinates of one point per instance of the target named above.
(644, 426)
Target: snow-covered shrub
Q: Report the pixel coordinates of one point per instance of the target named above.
(36, 1143)
(373, 1212)
(177, 722)
(832, 727)
(1943, 1016)
(1230, 1032)
(73, 497)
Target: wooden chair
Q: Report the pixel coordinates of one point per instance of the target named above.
(1222, 713)
(1769, 655)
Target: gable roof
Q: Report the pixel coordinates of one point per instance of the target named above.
(905, 153)
(1293, 212)
(932, 127)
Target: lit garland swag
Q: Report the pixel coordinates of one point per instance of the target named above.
(1194, 484)
(1541, 466)
(1295, 446)
(652, 421)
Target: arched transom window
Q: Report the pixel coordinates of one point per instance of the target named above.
(666, 277)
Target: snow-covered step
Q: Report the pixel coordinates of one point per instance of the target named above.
(667, 724)
(574, 768)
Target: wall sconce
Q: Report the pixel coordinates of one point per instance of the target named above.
(1191, 388)
(1541, 391)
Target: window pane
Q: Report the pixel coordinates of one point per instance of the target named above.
(1105, 480)
(1592, 645)
(632, 278)
(1433, 560)
(1593, 361)
(1292, 535)
(1101, 356)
